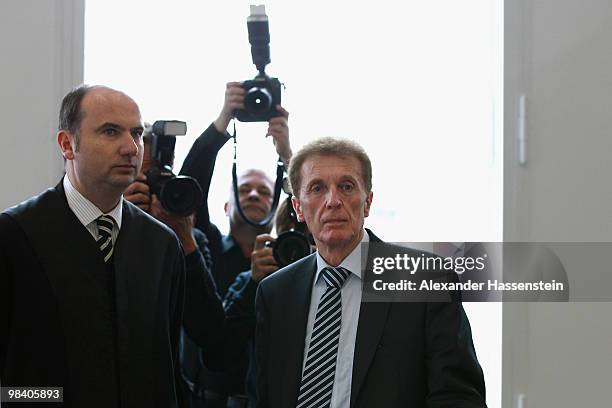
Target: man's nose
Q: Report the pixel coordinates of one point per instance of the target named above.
(333, 199)
(129, 145)
(254, 194)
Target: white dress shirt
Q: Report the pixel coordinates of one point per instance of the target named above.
(351, 303)
(87, 212)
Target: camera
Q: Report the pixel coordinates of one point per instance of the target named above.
(181, 195)
(263, 93)
(290, 246)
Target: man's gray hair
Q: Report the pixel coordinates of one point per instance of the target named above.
(329, 146)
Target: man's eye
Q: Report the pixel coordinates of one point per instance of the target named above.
(137, 134)
(265, 192)
(316, 188)
(347, 187)
(110, 131)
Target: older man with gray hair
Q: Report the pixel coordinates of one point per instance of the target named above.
(318, 345)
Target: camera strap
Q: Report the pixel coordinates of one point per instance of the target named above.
(278, 185)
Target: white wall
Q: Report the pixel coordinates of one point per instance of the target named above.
(557, 53)
(41, 58)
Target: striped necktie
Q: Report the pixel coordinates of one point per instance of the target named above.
(105, 236)
(318, 376)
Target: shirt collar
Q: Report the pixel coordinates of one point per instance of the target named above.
(353, 262)
(85, 210)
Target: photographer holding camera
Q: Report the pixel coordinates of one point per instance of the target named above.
(231, 254)
(294, 242)
(203, 317)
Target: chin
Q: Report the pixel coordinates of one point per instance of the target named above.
(338, 237)
(254, 215)
(122, 182)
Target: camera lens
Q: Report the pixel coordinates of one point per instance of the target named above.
(181, 195)
(290, 246)
(257, 101)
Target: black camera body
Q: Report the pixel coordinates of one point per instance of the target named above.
(290, 246)
(181, 195)
(262, 95)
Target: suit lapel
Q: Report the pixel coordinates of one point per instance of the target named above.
(297, 308)
(372, 321)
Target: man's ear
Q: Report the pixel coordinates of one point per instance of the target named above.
(368, 203)
(66, 141)
(297, 208)
(226, 208)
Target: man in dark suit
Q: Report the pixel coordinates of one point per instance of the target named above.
(318, 345)
(91, 287)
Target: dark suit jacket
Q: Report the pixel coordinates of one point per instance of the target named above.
(407, 354)
(59, 324)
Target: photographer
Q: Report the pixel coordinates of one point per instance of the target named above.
(231, 254)
(203, 316)
(244, 288)
(254, 186)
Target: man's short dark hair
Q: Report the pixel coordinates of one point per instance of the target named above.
(70, 115)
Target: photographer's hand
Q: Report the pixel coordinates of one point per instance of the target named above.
(234, 99)
(278, 128)
(138, 193)
(262, 260)
(181, 225)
